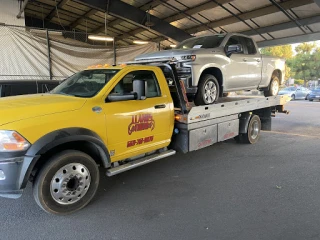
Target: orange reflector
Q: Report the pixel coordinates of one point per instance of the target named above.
(177, 117)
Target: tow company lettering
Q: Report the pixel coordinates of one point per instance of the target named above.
(141, 122)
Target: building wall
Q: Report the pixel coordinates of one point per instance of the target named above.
(8, 13)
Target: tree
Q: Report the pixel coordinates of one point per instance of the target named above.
(284, 51)
(305, 65)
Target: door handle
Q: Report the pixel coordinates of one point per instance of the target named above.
(245, 59)
(160, 106)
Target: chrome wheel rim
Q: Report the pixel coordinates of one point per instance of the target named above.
(255, 130)
(275, 87)
(70, 183)
(210, 92)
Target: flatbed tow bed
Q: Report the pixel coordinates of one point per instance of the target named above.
(197, 127)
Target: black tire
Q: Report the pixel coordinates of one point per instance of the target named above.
(273, 88)
(253, 131)
(205, 81)
(293, 97)
(307, 97)
(311, 100)
(42, 187)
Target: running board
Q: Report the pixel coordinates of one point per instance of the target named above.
(139, 162)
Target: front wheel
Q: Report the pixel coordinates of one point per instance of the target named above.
(208, 90)
(66, 183)
(307, 97)
(273, 87)
(253, 131)
(293, 97)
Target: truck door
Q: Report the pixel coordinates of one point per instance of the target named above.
(253, 61)
(237, 68)
(138, 126)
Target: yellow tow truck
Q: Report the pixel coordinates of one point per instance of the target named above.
(115, 117)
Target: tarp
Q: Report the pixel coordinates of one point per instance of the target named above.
(24, 55)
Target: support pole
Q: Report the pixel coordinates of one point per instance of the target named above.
(22, 8)
(159, 46)
(49, 55)
(114, 52)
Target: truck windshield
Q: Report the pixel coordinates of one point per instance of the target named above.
(86, 83)
(202, 42)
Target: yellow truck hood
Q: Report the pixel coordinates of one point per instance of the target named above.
(16, 108)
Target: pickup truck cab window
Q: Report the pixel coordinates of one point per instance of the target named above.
(249, 45)
(125, 85)
(86, 83)
(201, 42)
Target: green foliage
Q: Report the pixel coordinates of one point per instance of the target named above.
(284, 51)
(299, 81)
(306, 64)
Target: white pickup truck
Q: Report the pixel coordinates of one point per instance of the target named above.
(211, 66)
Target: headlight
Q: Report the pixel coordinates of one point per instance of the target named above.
(188, 58)
(11, 141)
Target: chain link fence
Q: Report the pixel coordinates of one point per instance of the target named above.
(41, 54)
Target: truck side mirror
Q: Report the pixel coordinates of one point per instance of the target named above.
(139, 88)
(236, 48)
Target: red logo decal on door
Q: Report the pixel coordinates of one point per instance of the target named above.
(141, 122)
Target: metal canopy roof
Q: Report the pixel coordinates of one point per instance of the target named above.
(270, 22)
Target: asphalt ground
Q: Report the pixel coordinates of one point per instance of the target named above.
(269, 190)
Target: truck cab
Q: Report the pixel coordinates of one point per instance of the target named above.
(114, 117)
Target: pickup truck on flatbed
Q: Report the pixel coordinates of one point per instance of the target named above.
(211, 66)
(118, 118)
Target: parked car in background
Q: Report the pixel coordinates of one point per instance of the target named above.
(23, 87)
(211, 66)
(315, 94)
(296, 92)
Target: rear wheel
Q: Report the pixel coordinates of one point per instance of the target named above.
(293, 97)
(66, 183)
(273, 87)
(208, 90)
(253, 131)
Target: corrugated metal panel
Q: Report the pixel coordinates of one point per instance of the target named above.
(258, 38)
(162, 11)
(176, 4)
(136, 3)
(78, 5)
(307, 10)
(185, 23)
(73, 9)
(271, 19)
(149, 34)
(193, 3)
(287, 33)
(101, 15)
(214, 14)
(236, 27)
(249, 5)
(141, 36)
(203, 33)
(128, 25)
(62, 21)
(315, 27)
(122, 28)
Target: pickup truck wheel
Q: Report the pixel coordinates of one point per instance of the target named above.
(253, 132)
(273, 87)
(208, 90)
(66, 183)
